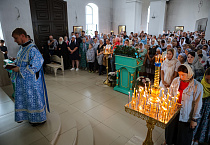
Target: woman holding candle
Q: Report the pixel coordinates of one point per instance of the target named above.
(180, 130)
(168, 69)
(202, 131)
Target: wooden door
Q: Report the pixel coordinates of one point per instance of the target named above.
(49, 17)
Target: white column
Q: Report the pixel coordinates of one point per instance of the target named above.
(157, 16)
(133, 15)
(208, 27)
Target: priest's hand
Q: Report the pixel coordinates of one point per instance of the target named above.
(16, 69)
(193, 124)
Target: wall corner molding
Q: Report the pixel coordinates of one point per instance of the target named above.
(130, 1)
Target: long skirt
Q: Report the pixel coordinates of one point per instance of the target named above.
(202, 131)
(178, 133)
(150, 66)
(83, 63)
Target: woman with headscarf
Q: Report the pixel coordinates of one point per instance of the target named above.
(62, 50)
(182, 42)
(82, 53)
(163, 45)
(142, 55)
(168, 69)
(151, 60)
(180, 130)
(197, 67)
(100, 53)
(202, 131)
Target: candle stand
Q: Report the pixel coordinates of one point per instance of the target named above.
(152, 105)
(106, 82)
(151, 122)
(107, 53)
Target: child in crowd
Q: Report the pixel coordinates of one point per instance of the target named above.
(181, 60)
(202, 58)
(168, 69)
(90, 57)
(180, 130)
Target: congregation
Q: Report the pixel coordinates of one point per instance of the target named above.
(184, 53)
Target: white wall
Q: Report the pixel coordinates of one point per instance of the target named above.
(145, 5)
(129, 13)
(157, 9)
(8, 18)
(78, 7)
(185, 13)
(208, 27)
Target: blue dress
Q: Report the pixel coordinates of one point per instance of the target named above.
(30, 89)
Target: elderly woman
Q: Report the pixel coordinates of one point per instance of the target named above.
(63, 51)
(100, 55)
(180, 130)
(82, 53)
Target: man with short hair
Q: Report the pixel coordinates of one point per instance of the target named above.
(3, 49)
(74, 53)
(174, 44)
(52, 44)
(83, 35)
(97, 35)
(125, 35)
(30, 89)
(78, 39)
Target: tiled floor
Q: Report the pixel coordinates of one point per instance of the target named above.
(83, 96)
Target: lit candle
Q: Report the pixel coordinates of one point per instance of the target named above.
(128, 97)
(149, 85)
(134, 91)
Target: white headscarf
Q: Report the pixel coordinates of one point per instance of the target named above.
(190, 71)
(182, 43)
(169, 67)
(142, 46)
(60, 42)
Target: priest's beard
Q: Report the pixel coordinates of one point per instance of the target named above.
(61, 42)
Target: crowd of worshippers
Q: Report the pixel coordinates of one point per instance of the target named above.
(86, 53)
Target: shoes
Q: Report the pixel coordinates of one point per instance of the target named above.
(72, 69)
(36, 124)
(19, 121)
(89, 71)
(77, 69)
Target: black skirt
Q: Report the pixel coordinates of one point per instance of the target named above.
(178, 133)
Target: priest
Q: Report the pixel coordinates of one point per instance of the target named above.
(30, 90)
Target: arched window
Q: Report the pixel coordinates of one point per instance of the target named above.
(91, 18)
(148, 16)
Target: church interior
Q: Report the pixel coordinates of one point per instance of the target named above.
(105, 68)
